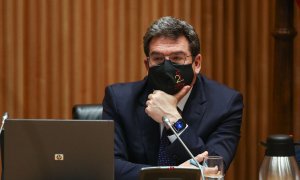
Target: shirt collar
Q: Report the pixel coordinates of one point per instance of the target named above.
(183, 101)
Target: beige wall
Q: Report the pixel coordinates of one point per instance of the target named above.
(57, 53)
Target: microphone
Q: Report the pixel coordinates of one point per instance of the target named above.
(4, 117)
(195, 162)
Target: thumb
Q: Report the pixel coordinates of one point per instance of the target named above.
(200, 157)
(182, 92)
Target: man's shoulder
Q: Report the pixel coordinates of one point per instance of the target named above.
(217, 91)
(127, 84)
(128, 87)
(212, 85)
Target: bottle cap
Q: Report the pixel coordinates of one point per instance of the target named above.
(280, 145)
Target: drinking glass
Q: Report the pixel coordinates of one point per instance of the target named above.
(213, 168)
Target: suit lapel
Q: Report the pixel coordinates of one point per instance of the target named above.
(150, 129)
(195, 106)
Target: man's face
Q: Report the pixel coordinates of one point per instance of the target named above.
(167, 46)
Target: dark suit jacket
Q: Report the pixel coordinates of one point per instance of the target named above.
(213, 113)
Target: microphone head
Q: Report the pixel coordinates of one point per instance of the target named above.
(165, 120)
(5, 116)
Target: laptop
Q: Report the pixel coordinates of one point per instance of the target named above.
(48, 149)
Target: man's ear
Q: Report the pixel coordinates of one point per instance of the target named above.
(146, 63)
(197, 63)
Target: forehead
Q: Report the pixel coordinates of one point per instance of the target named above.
(166, 45)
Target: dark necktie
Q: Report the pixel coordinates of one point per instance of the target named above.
(164, 158)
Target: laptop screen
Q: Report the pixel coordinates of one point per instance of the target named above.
(36, 149)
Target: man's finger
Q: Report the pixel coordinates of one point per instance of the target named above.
(211, 170)
(182, 92)
(200, 157)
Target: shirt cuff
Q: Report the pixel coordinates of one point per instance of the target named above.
(173, 137)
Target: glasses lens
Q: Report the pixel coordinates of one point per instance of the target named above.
(157, 59)
(177, 58)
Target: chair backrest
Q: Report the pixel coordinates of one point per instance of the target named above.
(87, 111)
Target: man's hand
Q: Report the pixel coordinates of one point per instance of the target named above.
(161, 104)
(199, 158)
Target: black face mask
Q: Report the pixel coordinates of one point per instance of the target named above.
(169, 77)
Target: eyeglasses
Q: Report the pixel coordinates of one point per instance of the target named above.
(176, 58)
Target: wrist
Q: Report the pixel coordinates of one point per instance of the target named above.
(174, 118)
(178, 126)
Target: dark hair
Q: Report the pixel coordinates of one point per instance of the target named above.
(172, 28)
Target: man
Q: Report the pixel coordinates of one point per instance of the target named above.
(207, 115)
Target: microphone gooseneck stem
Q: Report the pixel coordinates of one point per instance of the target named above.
(167, 121)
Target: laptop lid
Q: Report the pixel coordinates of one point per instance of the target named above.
(58, 149)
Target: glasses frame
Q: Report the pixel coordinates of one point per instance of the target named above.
(168, 58)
